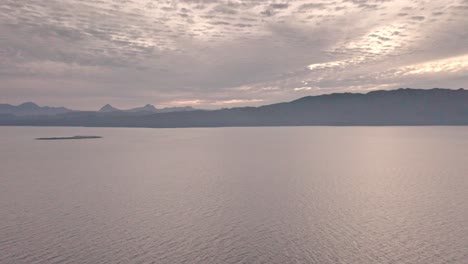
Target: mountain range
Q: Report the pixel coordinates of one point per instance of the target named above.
(384, 107)
(145, 109)
(32, 109)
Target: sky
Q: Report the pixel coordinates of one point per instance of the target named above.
(212, 54)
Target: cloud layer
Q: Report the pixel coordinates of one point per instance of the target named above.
(208, 53)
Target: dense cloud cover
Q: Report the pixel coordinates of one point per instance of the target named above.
(212, 54)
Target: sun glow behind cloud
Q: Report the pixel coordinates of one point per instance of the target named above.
(195, 102)
(456, 64)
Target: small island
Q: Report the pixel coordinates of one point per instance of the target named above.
(66, 138)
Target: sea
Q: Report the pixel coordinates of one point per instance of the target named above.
(350, 195)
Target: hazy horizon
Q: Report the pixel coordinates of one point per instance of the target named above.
(212, 54)
(156, 106)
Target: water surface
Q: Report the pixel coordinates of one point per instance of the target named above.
(235, 195)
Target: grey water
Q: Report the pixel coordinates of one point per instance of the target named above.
(235, 195)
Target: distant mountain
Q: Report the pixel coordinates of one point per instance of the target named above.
(32, 109)
(108, 108)
(176, 109)
(145, 109)
(406, 107)
(29, 108)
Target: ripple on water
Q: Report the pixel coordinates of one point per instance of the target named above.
(235, 195)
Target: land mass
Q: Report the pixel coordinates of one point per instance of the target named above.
(32, 109)
(405, 107)
(66, 138)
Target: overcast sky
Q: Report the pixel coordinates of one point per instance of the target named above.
(212, 54)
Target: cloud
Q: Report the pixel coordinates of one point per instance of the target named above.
(418, 18)
(310, 6)
(86, 53)
(279, 6)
